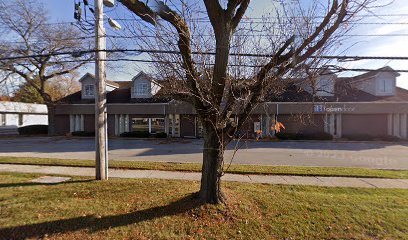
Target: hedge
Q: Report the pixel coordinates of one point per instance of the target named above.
(83, 134)
(33, 130)
(136, 134)
(303, 136)
(143, 134)
(366, 137)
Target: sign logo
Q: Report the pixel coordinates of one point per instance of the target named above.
(322, 108)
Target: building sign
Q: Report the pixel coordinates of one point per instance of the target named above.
(331, 109)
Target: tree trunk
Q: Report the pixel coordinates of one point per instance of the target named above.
(51, 119)
(213, 154)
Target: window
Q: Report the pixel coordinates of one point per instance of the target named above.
(385, 86)
(3, 121)
(76, 122)
(140, 124)
(142, 89)
(20, 119)
(158, 125)
(121, 123)
(90, 90)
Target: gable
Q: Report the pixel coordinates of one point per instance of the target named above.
(143, 86)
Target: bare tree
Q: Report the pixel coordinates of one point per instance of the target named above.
(30, 47)
(210, 72)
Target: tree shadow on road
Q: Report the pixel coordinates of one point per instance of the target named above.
(94, 224)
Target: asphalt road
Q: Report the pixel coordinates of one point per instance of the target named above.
(333, 154)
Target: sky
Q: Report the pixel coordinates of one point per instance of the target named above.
(396, 19)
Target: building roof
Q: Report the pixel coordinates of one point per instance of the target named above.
(344, 92)
(119, 95)
(116, 84)
(375, 72)
(20, 107)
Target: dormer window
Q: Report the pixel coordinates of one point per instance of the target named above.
(89, 90)
(385, 86)
(142, 89)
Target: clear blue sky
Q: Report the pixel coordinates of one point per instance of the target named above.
(62, 10)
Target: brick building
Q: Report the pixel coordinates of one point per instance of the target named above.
(368, 104)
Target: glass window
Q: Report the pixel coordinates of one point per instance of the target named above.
(76, 122)
(140, 124)
(3, 119)
(20, 119)
(158, 125)
(142, 89)
(386, 86)
(89, 90)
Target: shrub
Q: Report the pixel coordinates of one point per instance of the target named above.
(83, 134)
(161, 135)
(366, 137)
(285, 136)
(136, 134)
(315, 136)
(33, 130)
(303, 136)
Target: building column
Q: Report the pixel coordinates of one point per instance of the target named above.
(82, 122)
(331, 124)
(389, 125)
(166, 124)
(268, 125)
(339, 126)
(127, 127)
(71, 123)
(403, 125)
(150, 125)
(116, 125)
(121, 123)
(326, 124)
(396, 125)
(173, 125)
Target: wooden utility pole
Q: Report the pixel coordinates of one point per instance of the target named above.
(101, 139)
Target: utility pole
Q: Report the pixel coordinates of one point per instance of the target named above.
(101, 116)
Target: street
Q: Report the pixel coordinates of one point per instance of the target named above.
(330, 154)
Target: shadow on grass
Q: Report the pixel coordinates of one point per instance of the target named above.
(28, 184)
(94, 224)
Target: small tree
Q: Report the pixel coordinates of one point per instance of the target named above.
(56, 88)
(225, 93)
(28, 33)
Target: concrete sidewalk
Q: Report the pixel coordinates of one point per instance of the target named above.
(193, 176)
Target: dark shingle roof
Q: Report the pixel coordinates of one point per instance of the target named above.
(120, 95)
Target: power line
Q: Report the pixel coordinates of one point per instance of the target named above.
(337, 69)
(264, 20)
(152, 51)
(209, 35)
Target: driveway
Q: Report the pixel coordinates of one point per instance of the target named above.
(330, 154)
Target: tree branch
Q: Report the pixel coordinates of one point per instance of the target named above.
(240, 13)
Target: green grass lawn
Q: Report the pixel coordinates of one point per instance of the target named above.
(162, 209)
(235, 168)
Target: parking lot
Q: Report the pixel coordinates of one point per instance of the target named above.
(333, 154)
